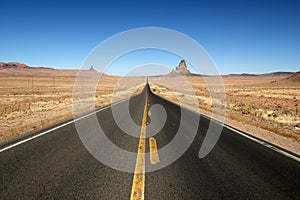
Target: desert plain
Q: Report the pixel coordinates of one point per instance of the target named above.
(31, 103)
(266, 106)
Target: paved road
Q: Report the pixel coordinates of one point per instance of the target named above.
(57, 166)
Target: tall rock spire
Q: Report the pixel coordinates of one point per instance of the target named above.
(180, 70)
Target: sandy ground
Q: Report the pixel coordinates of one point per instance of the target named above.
(254, 105)
(31, 103)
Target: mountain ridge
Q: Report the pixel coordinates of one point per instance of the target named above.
(21, 69)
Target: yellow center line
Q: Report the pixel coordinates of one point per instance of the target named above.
(138, 184)
(154, 158)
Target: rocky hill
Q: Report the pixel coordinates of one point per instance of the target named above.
(180, 70)
(14, 65)
(295, 77)
(19, 69)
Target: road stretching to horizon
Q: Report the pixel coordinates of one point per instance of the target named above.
(58, 166)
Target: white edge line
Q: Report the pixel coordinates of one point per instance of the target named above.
(268, 145)
(60, 126)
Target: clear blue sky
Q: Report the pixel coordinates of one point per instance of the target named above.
(240, 36)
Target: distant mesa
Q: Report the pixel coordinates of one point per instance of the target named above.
(16, 65)
(19, 69)
(243, 74)
(180, 70)
(264, 74)
(280, 73)
(12, 65)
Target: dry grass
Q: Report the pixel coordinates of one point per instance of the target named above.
(30, 103)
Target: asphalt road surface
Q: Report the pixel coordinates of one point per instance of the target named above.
(58, 166)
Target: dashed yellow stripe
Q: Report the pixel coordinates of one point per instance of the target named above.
(138, 185)
(154, 158)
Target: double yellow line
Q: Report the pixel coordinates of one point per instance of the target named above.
(138, 185)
